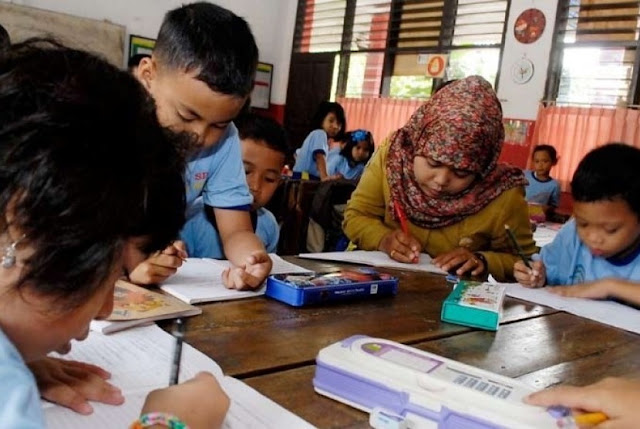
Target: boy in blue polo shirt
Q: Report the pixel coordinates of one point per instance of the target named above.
(598, 251)
(200, 75)
(264, 150)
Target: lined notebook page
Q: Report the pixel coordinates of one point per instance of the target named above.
(376, 259)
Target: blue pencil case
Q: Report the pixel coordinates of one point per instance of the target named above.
(316, 288)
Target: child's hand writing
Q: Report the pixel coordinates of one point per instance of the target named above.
(536, 276)
(73, 384)
(200, 402)
(401, 247)
(463, 258)
(251, 275)
(160, 266)
(616, 397)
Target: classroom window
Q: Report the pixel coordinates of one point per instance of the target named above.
(380, 43)
(595, 55)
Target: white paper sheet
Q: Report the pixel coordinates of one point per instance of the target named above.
(376, 259)
(200, 280)
(544, 234)
(607, 312)
(139, 360)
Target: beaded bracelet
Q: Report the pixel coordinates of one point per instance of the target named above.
(164, 419)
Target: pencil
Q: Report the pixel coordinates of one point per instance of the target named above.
(517, 246)
(178, 333)
(581, 420)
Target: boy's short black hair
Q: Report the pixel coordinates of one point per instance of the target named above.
(551, 151)
(261, 129)
(84, 165)
(211, 41)
(5, 40)
(351, 139)
(324, 108)
(134, 61)
(608, 172)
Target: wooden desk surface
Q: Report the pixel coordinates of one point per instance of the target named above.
(259, 335)
(272, 346)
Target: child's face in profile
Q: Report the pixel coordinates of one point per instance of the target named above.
(263, 166)
(436, 179)
(542, 163)
(360, 152)
(186, 104)
(331, 125)
(606, 227)
(41, 324)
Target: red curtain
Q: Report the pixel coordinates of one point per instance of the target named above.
(380, 116)
(574, 131)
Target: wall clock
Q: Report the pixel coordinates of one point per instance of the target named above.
(529, 26)
(522, 71)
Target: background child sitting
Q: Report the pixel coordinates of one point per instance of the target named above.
(349, 162)
(598, 251)
(264, 150)
(543, 191)
(311, 159)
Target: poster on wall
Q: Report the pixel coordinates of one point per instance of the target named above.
(140, 45)
(261, 94)
(436, 65)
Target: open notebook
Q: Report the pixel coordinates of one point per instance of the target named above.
(376, 259)
(139, 360)
(134, 305)
(200, 280)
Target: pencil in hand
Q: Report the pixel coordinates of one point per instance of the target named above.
(517, 246)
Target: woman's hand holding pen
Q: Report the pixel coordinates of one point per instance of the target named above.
(536, 276)
(200, 402)
(160, 266)
(401, 246)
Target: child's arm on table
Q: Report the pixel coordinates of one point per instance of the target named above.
(622, 289)
(616, 397)
(243, 249)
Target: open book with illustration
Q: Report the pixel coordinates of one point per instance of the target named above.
(134, 305)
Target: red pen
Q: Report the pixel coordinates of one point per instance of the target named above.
(401, 217)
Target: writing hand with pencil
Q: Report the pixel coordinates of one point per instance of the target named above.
(607, 404)
(160, 266)
(527, 273)
(399, 244)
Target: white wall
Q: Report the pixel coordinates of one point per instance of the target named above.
(520, 101)
(272, 23)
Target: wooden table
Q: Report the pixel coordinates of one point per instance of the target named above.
(272, 346)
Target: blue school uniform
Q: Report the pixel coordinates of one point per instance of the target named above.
(217, 175)
(203, 241)
(545, 192)
(315, 143)
(337, 163)
(568, 261)
(20, 400)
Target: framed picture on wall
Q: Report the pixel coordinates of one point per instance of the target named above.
(140, 45)
(261, 94)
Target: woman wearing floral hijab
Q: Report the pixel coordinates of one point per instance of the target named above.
(440, 171)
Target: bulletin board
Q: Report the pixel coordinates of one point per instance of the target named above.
(261, 94)
(102, 37)
(140, 45)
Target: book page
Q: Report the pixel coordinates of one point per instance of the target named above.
(603, 311)
(376, 259)
(140, 360)
(280, 266)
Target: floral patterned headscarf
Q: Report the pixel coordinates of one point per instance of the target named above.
(459, 126)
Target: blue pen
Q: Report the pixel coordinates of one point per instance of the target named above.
(178, 333)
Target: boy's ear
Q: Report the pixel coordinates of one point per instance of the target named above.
(146, 72)
(556, 161)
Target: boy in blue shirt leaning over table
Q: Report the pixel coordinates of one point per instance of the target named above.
(598, 251)
(264, 150)
(200, 75)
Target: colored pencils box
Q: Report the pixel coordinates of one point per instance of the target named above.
(474, 304)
